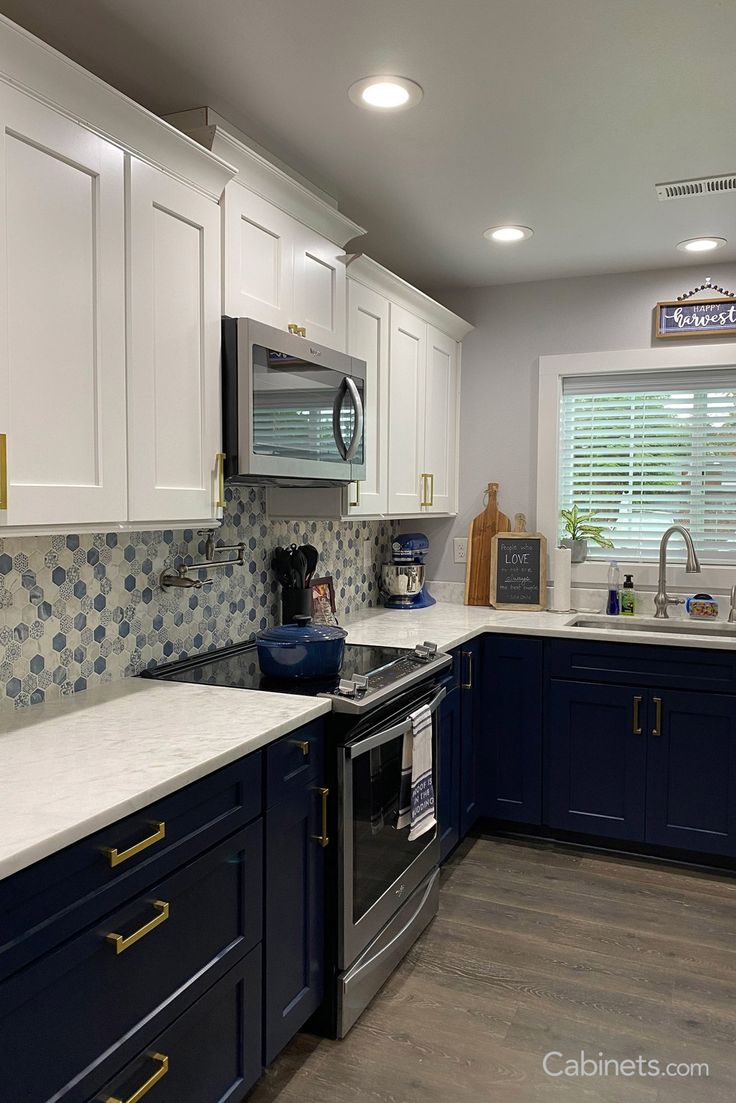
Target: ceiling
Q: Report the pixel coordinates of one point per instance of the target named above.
(559, 115)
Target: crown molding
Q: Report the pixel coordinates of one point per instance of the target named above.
(259, 174)
(40, 71)
(386, 283)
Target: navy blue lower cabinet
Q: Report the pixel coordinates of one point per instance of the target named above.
(691, 771)
(294, 952)
(596, 759)
(511, 729)
(470, 763)
(210, 1054)
(448, 771)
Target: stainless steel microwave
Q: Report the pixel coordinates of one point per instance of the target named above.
(293, 410)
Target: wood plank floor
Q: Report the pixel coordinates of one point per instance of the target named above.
(536, 949)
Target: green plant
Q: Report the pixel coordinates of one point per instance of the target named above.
(582, 526)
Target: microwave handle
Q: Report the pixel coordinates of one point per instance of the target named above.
(360, 746)
(347, 451)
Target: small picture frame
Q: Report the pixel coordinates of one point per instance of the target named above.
(323, 600)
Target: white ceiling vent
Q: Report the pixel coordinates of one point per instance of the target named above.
(703, 185)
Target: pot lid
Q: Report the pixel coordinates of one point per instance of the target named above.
(302, 631)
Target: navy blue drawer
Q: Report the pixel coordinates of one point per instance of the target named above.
(210, 1054)
(62, 1013)
(639, 664)
(294, 760)
(53, 899)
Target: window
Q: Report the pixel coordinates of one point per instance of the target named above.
(644, 450)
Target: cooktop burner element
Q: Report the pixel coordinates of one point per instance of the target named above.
(369, 675)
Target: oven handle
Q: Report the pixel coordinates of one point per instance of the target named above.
(372, 741)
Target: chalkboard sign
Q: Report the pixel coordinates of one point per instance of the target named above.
(519, 571)
(699, 318)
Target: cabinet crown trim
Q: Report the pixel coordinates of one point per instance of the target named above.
(372, 274)
(38, 70)
(262, 176)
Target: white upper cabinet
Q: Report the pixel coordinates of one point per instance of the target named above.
(62, 318)
(441, 406)
(174, 419)
(368, 339)
(258, 260)
(407, 482)
(282, 238)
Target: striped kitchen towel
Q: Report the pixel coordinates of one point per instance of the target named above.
(416, 803)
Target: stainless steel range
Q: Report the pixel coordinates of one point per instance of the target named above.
(383, 889)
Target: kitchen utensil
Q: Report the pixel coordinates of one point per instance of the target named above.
(402, 580)
(299, 561)
(480, 534)
(312, 557)
(301, 650)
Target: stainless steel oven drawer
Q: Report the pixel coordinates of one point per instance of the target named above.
(358, 986)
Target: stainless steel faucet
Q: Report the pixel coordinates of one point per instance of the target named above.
(662, 600)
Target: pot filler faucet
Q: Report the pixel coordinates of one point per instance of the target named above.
(662, 601)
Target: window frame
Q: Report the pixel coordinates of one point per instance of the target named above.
(552, 370)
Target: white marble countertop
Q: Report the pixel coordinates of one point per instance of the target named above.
(73, 766)
(449, 625)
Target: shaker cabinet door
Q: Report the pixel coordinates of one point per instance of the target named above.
(440, 422)
(62, 318)
(258, 269)
(173, 349)
(368, 319)
(319, 288)
(408, 484)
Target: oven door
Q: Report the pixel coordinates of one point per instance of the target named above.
(378, 866)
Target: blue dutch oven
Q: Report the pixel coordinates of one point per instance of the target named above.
(301, 650)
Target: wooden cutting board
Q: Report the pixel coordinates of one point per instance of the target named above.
(480, 534)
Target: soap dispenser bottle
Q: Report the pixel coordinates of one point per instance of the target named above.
(613, 606)
(628, 597)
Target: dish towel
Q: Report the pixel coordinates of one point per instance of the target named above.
(416, 803)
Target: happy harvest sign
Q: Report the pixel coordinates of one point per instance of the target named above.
(701, 318)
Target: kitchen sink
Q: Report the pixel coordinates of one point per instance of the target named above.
(704, 629)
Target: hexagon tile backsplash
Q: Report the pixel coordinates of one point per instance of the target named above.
(79, 610)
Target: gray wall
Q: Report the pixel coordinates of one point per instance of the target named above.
(515, 324)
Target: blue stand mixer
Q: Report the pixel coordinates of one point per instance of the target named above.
(402, 580)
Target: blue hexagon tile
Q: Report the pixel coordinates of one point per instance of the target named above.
(79, 610)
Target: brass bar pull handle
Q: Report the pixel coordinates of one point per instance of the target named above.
(424, 476)
(163, 1067)
(116, 857)
(431, 489)
(469, 656)
(323, 839)
(3, 471)
(657, 729)
(122, 944)
(637, 716)
(293, 329)
(357, 495)
(220, 469)
(303, 746)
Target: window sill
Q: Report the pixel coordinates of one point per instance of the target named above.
(712, 578)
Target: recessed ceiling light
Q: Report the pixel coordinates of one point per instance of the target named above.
(701, 244)
(385, 93)
(506, 234)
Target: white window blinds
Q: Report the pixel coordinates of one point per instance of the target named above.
(645, 450)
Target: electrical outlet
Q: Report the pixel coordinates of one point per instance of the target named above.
(460, 545)
(367, 553)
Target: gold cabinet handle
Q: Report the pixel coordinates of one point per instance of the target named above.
(636, 728)
(427, 481)
(657, 729)
(303, 746)
(302, 331)
(116, 857)
(352, 505)
(220, 473)
(323, 839)
(469, 656)
(122, 944)
(163, 1068)
(293, 329)
(3, 471)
